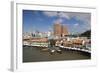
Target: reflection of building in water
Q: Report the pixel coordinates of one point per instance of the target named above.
(60, 30)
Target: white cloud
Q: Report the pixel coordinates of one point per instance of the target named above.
(76, 24)
(50, 14)
(58, 21)
(85, 19)
(64, 15)
(59, 14)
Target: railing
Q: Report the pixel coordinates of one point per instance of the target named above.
(77, 49)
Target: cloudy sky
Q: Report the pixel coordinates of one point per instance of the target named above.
(43, 21)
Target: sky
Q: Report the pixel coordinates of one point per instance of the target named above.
(43, 21)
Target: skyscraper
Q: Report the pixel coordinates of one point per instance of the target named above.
(60, 30)
(57, 30)
(64, 30)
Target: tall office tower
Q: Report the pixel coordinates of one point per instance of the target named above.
(60, 30)
(57, 30)
(64, 30)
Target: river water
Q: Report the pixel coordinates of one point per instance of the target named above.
(35, 54)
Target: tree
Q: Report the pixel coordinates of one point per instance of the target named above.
(86, 34)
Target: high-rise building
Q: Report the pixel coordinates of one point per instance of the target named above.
(57, 30)
(64, 30)
(60, 30)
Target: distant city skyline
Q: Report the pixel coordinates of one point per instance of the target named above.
(43, 21)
